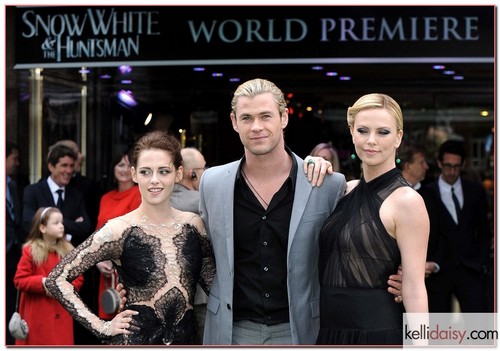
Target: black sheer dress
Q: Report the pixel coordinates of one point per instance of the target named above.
(357, 256)
(159, 265)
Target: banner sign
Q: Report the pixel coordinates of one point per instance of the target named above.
(174, 35)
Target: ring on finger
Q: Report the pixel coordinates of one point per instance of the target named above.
(310, 161)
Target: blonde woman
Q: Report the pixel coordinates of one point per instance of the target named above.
(379, 224)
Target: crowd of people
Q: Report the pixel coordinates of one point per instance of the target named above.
(260, 251)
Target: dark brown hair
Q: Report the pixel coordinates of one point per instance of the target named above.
(157, 139)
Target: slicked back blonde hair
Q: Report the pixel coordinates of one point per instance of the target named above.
(256, 87)
(375, 100)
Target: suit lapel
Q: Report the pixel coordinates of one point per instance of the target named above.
(301, 196)
(441, 203)
(47, 194)
(226, 187)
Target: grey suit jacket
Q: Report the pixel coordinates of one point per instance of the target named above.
(311, 207)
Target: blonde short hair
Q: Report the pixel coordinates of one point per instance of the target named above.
(375, 100)
(256, 87)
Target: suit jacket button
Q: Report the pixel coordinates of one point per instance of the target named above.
(228, 306)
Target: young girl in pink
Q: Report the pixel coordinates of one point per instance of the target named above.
(48, 321)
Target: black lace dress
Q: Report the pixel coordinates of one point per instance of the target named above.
(159, 267)
(357, 255)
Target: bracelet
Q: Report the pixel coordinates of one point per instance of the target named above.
(106, 329)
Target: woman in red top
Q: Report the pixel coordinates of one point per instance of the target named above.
(123, 199)
(48, 322)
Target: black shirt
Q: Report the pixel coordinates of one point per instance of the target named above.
(260, 252)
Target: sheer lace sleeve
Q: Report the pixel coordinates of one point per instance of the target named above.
(104, 244)
(208, 263)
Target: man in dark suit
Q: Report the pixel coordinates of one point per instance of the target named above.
(460, 237)
(61, 161)
(15, 236)
(90, 189)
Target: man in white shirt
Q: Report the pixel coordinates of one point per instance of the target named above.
(460, 237)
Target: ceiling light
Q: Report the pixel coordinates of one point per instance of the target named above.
(317, 68)
(127, 97)
(217, 74)
(125, 69)
(199, 69)
(438, 67)
(148, 119)
(458, 77)
(331, 74)
(345, 78)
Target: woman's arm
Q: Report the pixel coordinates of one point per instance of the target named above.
(102, 245)
(411, 230)
(208, 260)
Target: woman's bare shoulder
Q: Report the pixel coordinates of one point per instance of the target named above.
(351, 185)
(187, 217)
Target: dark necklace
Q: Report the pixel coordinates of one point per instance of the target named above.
(253, 188)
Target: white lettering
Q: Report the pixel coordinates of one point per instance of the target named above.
(98, 48)
(368, 29)
(413, 21)
(230, 31)
(271, 37)
(365, 29)
(288, 27)
(327, 25)
(450, 25)
(222, 34)
(202, 29)
(253, 27)
(385, 29)
(98, 24)
(430, 28)
(469, 27)
(347, 28)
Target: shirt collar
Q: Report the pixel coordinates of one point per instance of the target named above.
(293, 170)
(444, 185)
(52, 185)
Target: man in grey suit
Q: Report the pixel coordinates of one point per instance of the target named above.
(263, 217)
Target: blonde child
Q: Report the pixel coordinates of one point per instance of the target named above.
(48, 321)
